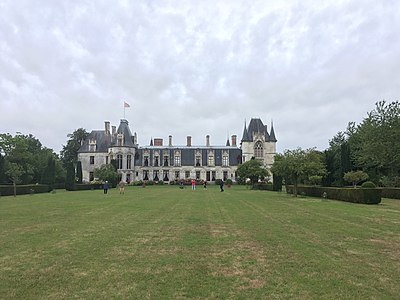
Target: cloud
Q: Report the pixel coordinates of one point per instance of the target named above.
(196, 68)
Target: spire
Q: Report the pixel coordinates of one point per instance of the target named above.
(245, 136)
(228, 143)
(151, 142)
(272, 137)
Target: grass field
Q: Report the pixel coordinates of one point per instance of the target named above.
(164, 243)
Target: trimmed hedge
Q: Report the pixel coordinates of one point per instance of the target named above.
(86, 187)
(8, 190)
(263, 186)
(365, 196)
(393, 193)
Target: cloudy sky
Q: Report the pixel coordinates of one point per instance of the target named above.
(196, 67)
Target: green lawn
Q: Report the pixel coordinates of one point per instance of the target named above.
(165, 243)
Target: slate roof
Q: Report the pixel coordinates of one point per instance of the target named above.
(257, 126)
(128, 137)
(103, 141)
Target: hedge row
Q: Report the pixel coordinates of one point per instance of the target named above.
(393, 193)
(359, 195)
(8, 190)
(263, 186)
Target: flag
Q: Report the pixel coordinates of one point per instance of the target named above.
(126, 105)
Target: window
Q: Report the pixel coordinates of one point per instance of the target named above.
(177, 174)
(187, 174)
(146, 161)
(225, 161)
(197, 175)
(155, 175)
(213, 176)
(166, 176)
(92, 147)
(92, 160)
(91, 176)
(120, 139)
(198, 161)
(106, 160)
(211, 160)
(177, 160)
(156, 161)
(258, 150)
(145, 175)
(128, 161)
(225, 175)
(166, 160)
(119, 161)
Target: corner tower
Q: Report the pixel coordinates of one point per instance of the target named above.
(258, 143)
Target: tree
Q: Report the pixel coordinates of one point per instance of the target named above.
(14, 171)
(296, 165)
(355, 177)
(70, 178)
(48, 176)
(69, 153)
(253, 170)
(106, 172)
(79, 171)
(375, 143)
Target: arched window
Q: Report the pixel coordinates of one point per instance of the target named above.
(258, 150)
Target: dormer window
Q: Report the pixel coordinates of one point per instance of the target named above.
(120, 139)
(92, 145)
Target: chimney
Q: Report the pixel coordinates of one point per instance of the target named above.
(207, 140)
(170, 141)
(189, 141)
(234, 137)
(114, 129)
(107, 127)
(158, 142)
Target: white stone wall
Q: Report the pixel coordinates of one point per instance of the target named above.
(84, 158)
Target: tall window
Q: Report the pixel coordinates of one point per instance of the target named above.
(187, 174)
(177, 174)
(225, 174)
(198, 161)
(91, 176)
(128, 161)
(197, 175)
(119, 161)
(106, 160)
(146, 161)
(92, 160)
(156, 161)
(155, 175)
(211, 160)
(225, 161)
(177, 160)
(145, 175)
(258, 150)
(120, 139)
(166, 160)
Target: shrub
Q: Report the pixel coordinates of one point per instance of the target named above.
(8, 190)
(392, 193)
(368, 185)
(366, 196)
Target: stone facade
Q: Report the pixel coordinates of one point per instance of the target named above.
(159, 162)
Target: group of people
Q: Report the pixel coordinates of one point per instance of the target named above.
(221, 185)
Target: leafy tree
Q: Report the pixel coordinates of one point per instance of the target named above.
(297, 165)
(253, 170)
(106, 172)
(69, 153)
(355, 177)
(14, 171)
(375, 143)
(48, 176)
